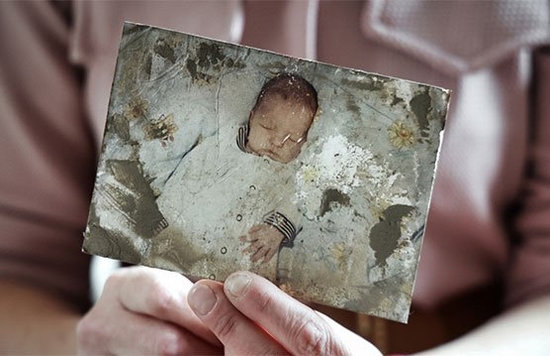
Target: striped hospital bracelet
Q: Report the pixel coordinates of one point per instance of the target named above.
(285, 227)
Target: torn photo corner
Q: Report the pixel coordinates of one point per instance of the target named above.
(218, 157)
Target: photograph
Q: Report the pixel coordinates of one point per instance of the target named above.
(218, 158)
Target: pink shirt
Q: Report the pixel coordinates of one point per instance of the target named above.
(490, 214)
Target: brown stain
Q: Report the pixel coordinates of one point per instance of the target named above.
(162, 129)
(351, 105)
(191, 67)
(171, 248)
(331, 196)
(207, 60)
(140, 206)
(209, 54)
(384, 235)
(165, 50)
(111, 244)
(119, 126)
(371, 296)
(421, 105)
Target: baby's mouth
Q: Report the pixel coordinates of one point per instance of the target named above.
(272, 154)
(275, 156)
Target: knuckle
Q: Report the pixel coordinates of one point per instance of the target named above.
(170, 343)
(226, 326)
(119, 279)
(90, 333)
(84, 333)
(264, 303)
(312, 338)
(159, 300)
(114, 281)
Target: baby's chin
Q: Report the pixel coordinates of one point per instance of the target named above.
(280, 159)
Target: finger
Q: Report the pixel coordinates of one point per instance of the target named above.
(269, 255)
(252, 248)
(297, 327)
(100, 332)
(208, 300)
(248, 238)
(264, 253)
(159, 294)
(259, 254)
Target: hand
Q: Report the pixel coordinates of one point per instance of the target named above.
(250, 315)
(145, 311)
(264, 242)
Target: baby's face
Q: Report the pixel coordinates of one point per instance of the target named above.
(278, 129)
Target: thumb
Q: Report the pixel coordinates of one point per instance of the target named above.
(294, 325)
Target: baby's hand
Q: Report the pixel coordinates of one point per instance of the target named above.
(264, 242)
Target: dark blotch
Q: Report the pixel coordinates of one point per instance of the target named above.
(384, 235)
(164, 50)
(332, 196)
(421, 106)
(209, 54)
(138, 203)
(191, 67)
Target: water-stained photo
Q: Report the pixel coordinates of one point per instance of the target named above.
(219, 157)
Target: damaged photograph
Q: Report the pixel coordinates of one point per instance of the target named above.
(219, 157)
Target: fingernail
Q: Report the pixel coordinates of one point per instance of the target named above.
(237, 283)
(202, 299)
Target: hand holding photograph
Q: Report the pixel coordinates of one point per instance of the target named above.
(219, 157)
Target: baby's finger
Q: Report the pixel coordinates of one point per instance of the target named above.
(259, 254)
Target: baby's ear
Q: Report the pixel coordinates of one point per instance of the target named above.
(242, 138)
